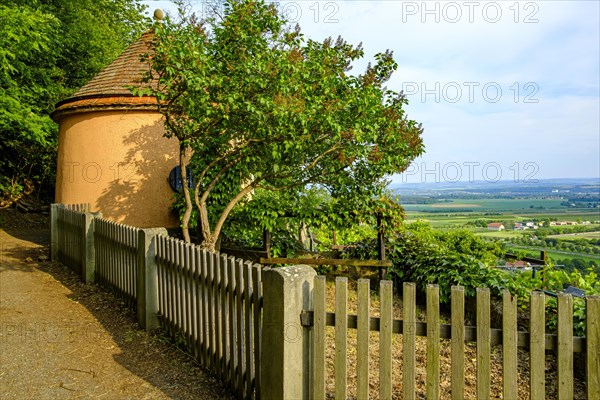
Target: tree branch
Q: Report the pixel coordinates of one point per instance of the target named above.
(245, 191)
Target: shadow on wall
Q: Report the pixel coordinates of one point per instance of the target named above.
(139, 193)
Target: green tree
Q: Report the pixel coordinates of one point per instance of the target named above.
(48, 49)
(262, 108)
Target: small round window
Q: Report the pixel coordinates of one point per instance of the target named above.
(175, 179)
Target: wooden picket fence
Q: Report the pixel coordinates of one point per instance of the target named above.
(70, 232)
(213, 302)
(210, 300)
(116, 258)
(564, 344)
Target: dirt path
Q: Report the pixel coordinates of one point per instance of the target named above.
(62, 339)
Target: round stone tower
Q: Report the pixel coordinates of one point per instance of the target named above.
(111, 149)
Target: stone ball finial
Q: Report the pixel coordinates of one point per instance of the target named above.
(159, 14)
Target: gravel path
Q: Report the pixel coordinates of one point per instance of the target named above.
(60, 338)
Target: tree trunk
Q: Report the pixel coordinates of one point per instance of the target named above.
(228, 208)
(206, 235)
(185, 222)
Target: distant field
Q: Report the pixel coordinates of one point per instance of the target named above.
(501, 234)
(455, 205)
(456, 214)
(511, 205)
(581, 235)
(553, 254)
(460, 211)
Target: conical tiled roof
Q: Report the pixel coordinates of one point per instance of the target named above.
(108, 89)
(126, 70)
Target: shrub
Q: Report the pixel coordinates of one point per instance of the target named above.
(425, 256)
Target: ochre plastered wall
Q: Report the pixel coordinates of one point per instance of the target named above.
(119, 162)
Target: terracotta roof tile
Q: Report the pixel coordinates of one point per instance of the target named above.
(126, 70)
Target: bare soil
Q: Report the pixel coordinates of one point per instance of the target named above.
(62, 339)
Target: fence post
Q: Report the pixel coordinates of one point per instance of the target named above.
(89, 252)
(54, 231)
(147, 278)
(286, 292)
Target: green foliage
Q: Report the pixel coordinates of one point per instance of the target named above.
(557, 280)
(423, 255)
(267, 211)
(353, 233)
(27, 130)
(48, 49)
(249, 94)
(312, 211)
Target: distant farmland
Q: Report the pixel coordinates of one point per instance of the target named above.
(579, 235)
(488, 205)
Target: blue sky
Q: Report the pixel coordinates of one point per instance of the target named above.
(506, 90)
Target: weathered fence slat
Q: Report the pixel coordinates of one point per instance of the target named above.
(179, 274)
(172, 285)
(194, 334)
(120, 282)
(217, 310)
(159, 270)
(166, 287)
(341, 338)
(98, 248)
(173, 290)
(256, 300)
(457, 375)
(206, 320)
(564, 357)
(163, 279)
(175, 286)
(225, 363)
(189, 298)
(509, 345)
(111, 255)
(211, 344)
(483, 343)
(433, 342)
(126, 263)
(385, 340)
(199, 303)
(408, 340)
(232, 321)
(116, 272)
(239, 277)
(125, 287)
(362, 340)
(319, 339)
(537, 346)
(248, 326)
(230, 266)
(133, 256)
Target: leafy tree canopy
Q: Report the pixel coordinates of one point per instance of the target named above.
(263, 108)
(48, 49)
